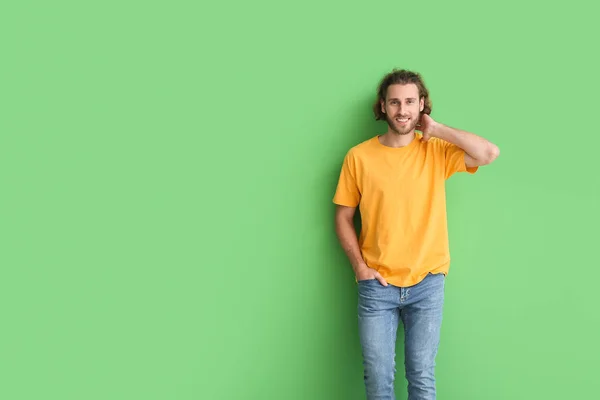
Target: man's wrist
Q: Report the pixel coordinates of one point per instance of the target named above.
(360, 267)
(439, 131)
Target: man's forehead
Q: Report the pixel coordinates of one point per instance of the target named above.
(403, 91)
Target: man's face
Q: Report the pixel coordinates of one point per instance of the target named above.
(402, 108)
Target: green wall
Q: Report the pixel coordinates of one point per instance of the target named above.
(167, 172)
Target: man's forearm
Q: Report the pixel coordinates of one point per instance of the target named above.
(475, 146)
(349, 242)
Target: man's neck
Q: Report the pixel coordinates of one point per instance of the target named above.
(392, 139)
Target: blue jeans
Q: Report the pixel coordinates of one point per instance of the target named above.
(379, 310)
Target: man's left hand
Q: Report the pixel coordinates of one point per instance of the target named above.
(428, 126)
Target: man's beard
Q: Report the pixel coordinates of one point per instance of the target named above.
(401, 130)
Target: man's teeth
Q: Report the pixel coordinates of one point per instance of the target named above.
(402, 119)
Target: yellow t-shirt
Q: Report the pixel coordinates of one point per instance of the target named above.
(402, 198)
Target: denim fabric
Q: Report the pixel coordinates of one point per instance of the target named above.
(380, 308)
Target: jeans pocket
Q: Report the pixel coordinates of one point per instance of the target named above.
(367, 280)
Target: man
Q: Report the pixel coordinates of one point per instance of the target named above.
(402, 256)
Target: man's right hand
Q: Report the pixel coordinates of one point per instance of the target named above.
(366, 273)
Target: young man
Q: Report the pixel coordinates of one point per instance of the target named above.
(402, 255)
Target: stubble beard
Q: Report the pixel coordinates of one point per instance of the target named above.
(401, 130)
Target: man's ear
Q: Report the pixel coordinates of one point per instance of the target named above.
(422, 104)
(381, 102)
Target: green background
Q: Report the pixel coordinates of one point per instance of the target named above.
(167, 170)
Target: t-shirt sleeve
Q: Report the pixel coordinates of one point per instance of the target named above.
(347, 192)
(455, 160)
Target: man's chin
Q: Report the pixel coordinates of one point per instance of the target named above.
(399, 132)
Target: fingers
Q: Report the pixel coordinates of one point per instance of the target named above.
(380, 279)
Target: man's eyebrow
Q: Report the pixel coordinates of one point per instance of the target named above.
(408, 98)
